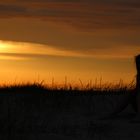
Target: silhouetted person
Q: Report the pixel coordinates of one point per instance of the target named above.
(137, 95)
(138, 83)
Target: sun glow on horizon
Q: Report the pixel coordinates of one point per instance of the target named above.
(73, 65)
(3, 47)
(11, 47)
(26, 48)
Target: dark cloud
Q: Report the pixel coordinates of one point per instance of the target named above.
(23, 55)
(11, 10)
(82, 14)
(41, 32)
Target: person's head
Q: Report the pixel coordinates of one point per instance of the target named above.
(137, 59)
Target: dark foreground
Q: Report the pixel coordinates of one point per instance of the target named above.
(34, 113)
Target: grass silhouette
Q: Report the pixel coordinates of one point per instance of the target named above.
(102, 87)
(36, 108)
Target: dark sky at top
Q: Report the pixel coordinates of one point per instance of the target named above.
(90, 26)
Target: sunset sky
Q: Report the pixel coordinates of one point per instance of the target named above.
(77, 39)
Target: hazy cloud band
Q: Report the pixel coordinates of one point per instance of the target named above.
(83, 14)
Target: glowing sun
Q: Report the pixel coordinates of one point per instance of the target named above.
(4, 47)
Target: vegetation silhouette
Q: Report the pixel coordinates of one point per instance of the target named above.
(35, 108)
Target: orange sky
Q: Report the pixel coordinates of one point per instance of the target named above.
(32, 62)
(83, 39)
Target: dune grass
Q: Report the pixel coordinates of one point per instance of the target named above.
(68, 87)
(33, 108)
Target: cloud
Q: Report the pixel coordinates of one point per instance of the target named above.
(20, 51)
(81, 14)
(88, 27)
(122, 41)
